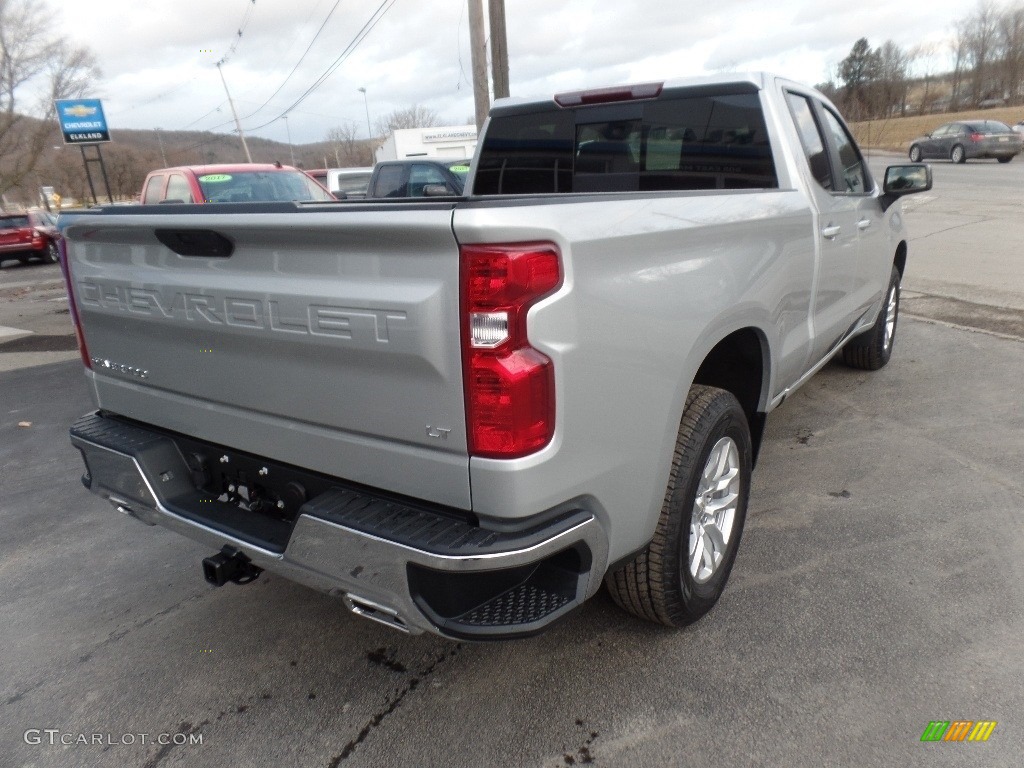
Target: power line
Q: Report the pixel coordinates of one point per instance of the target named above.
(231, 50)
(241, 30)
(361, 35)
(301, 58)
(198, 119)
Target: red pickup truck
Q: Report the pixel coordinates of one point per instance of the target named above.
(28, 235)
(238, 183)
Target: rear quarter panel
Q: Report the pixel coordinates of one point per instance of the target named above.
(650, 286)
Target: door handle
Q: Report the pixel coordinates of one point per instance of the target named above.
(831, 232)
(863, 224)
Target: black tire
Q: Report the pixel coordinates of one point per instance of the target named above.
(958, 155)
(658, 584)
(872, 349)
(915, 154)
(51, 255)
(1005, 159)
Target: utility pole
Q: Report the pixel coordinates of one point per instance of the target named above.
(238, 123)
(291, 149)
(160, 139)
(366, 104)
(478, 51)
(499, 48)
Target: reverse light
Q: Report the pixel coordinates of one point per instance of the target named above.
(509, 385)
(62, 248)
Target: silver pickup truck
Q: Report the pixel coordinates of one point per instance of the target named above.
(463, 415)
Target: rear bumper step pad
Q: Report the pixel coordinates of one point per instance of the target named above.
(412, 567)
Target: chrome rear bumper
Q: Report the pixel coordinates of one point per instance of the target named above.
(410, 567)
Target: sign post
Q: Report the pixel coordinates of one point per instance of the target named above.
(82, 122)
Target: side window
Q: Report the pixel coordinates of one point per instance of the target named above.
(153, 187)
(391, 182)
(855, 174)
(811, 139)
(422, 175)
(941, 131)
(178, 189)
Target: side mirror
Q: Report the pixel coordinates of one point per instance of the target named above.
(436, 190)
(905, 180)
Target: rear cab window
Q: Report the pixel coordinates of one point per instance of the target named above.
(687, 139)
(153, 189)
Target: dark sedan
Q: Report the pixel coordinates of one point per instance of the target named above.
(968, 139)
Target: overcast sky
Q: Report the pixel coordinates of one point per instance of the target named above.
(158, 56)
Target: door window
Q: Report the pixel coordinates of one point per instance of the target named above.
(855, 178)
(178, 189)
(422, 175)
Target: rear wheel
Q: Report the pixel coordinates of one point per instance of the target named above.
(872, 349)
(1005, 159)
(958, 155)
(915, 154)
(682, 572)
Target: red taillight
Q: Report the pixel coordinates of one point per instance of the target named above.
(977, 136)
(66, 271)
(510, 386)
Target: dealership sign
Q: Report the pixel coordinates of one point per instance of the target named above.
(450, 134)
(82, 121)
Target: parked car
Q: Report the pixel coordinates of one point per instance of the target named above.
(319, 175)
(418, 177)
(348, 183)
(968, 139)
(239, 183)
(32, 234)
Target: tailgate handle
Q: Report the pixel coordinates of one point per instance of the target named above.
(196, 242)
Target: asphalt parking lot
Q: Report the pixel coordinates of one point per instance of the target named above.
(879, 585)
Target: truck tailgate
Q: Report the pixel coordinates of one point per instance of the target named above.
(327, 339)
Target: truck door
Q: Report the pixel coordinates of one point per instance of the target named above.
(833, 304)
(873, 260)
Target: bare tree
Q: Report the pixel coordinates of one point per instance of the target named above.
(891, 93)
(410, 117)
(959, 44)
(1010, 47)
(982, 29)
(33, 62)
(348, 149)
(922, 59)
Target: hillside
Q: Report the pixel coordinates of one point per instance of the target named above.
(133, 153)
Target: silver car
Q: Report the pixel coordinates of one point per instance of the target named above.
(974, 139)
